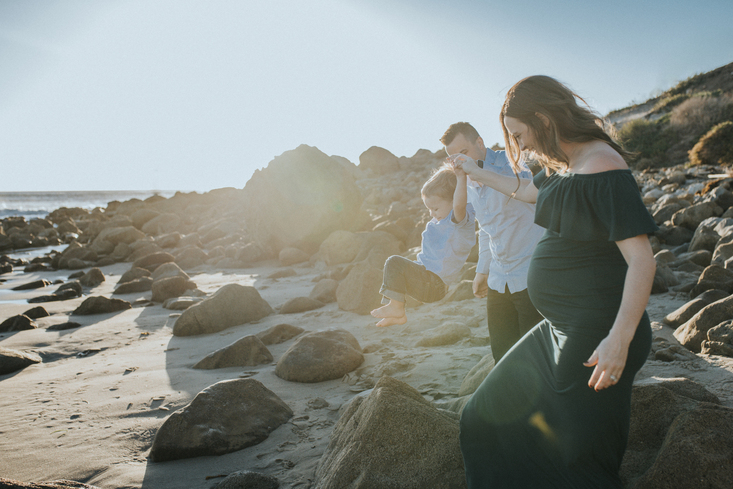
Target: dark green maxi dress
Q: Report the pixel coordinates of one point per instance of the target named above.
(534, 422)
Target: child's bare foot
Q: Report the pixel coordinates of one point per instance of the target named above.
(391, 321)
(390, 310)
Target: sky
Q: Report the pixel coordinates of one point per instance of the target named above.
(196, 95)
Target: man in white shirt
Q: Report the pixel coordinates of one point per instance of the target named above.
(507, 238)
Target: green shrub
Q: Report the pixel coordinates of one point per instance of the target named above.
(715, 147)
(648, 141)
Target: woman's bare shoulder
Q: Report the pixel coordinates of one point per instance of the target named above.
(601, 157)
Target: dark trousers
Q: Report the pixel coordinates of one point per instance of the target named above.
(510, 316)
(404, 277)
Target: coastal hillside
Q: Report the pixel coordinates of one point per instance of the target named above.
(664, 130)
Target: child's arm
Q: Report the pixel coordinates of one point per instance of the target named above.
(460, 198)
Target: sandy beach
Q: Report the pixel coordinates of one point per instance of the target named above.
(90, 410)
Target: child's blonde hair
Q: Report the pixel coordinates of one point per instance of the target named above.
(442, 183)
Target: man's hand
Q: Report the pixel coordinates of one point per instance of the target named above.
(480, 285)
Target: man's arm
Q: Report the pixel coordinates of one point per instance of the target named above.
(522, 189)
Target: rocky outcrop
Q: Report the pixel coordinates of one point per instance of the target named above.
(299, 199)
(319, 356)
(225, 417)
(245, 352)
(229, 306)
(392, 438)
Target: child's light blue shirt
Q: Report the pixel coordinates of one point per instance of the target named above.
(446, 245)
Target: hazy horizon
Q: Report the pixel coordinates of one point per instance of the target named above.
(192, 96)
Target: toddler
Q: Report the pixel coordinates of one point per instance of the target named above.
(446, 243)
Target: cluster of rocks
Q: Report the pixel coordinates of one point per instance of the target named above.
(694, 252)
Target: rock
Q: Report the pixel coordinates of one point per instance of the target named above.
(36, 312)
(325, 291)
(225, 417)
(319, 356)
(696, 452)
(284, 273)
(299, 199)
(685, 312)
(377, 242)
(169, 240)
(248, 480)
(19, 322)
(168, 287)
(716, 348)
(699, 257)
(143, 248)
(180, 303)
(231, 305)
(692, 216)
(392, 438)
(60, 295)
(142, 216)
(191, 257)
(63, 326)
(142, 284)
(300, 304)
(57, 484)
(92, 278)
(13, 360)
(666, 212)
(162, 224)
(340, 247)
(279, 334)
(167, 270)
(359, 291)
(694, 331)
(476, 375)
(117, 235)
(446, 334)
(246, 352)
(36, 284)
(722, 332)
(250, 253)
(291, 256)
(154, 260)
(674, 235)
(463, 292)
(379, 160)
(655, 405)
(133, 274)
(101, 305)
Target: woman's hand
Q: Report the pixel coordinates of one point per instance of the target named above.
(609, 359)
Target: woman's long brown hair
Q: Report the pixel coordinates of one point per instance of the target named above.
(568, 121)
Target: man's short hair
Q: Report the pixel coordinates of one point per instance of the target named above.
(468, 131)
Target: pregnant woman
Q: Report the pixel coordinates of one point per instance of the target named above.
(554, 412)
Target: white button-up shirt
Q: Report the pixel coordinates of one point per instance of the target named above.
(507, 232)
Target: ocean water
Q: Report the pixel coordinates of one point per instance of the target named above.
(40, 204)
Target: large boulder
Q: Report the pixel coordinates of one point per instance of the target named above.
(325, 290)
(392, 438)
(688, 310)
(223, 418)
(692, 333)
(162, 224)
(13, 360)
(169, 287)
(359, 291)
(340, 247)
(476, 375)
(319, 356)
(117, 235)
(229, 306)
(245, 352)
(300, 304)
(299, 199)
(679, 435)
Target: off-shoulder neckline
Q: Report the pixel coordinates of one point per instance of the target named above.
(590, 175)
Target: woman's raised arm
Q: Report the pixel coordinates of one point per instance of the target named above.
(522, 189)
